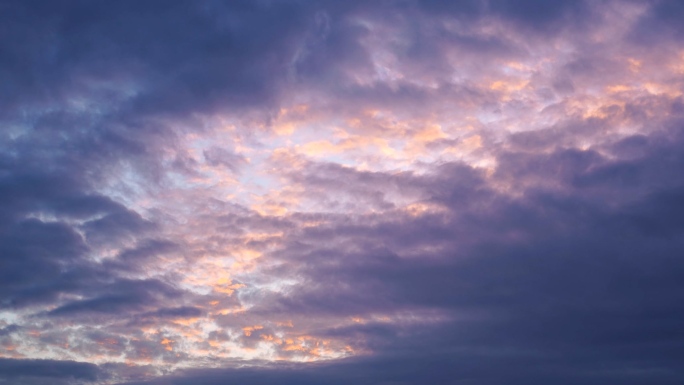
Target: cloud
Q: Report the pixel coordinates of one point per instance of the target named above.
(42, 371)
(564, 283)
(401, 192)
(220, 157)
(121, 295)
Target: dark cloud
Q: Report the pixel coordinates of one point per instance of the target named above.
(468, 8)
(34, 253)
(191, 55)
(9, 330)
(216, 156)
(121, 295)
(659, 21)
(542, 15)
(115, 226)
(47, 371)
(180, 312)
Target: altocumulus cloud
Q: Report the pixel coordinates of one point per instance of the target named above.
(322, 192)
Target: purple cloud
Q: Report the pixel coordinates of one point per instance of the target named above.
(293, 192)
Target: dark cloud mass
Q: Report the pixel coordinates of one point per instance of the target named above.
(361, 192)
(47, 371)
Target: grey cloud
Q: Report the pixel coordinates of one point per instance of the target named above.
(542, 15)
(33, 255)
(181, 312)
(566, 275)
(120, 296)
(221, 157)
(659, 21)
(36, 372)
(7, 330)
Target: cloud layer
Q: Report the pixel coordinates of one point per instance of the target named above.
(295, 192)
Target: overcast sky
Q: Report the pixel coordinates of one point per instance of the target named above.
(393, 192)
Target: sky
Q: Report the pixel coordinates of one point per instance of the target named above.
(391, 192)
